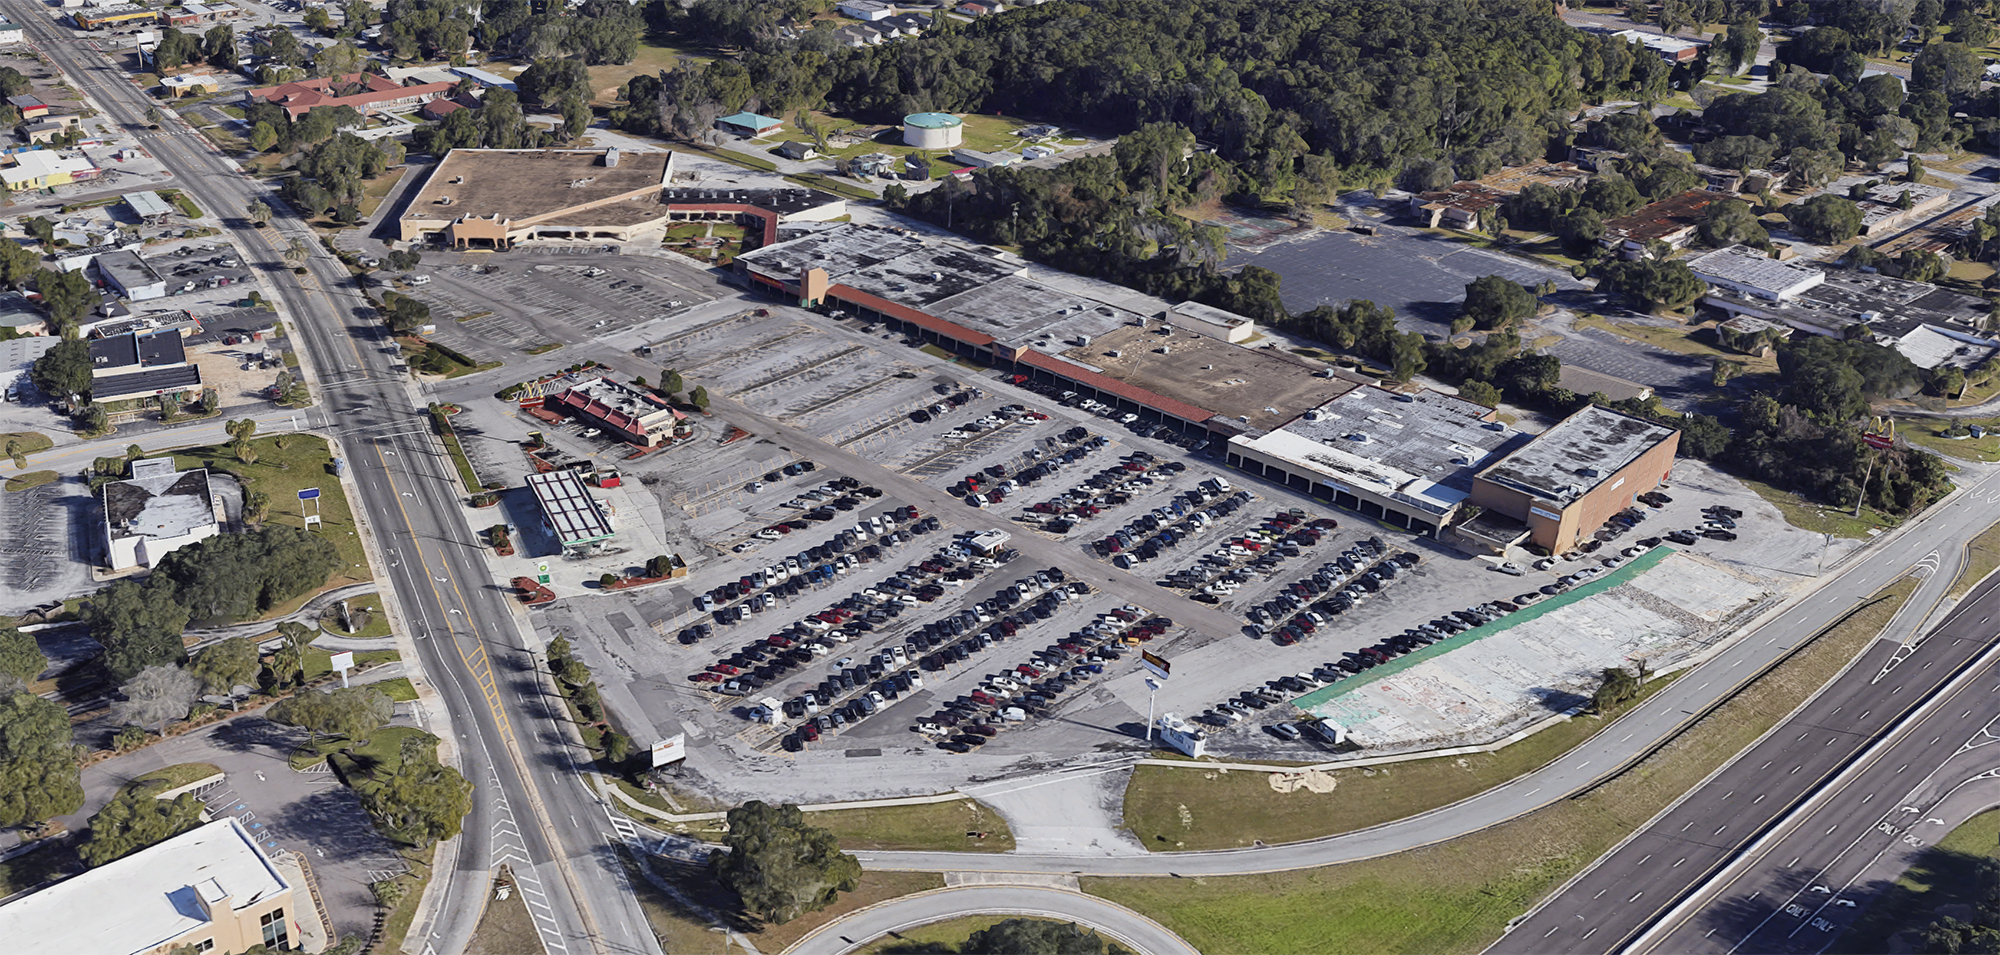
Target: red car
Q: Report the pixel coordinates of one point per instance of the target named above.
(723, 668)
(1028, 671)
(809, 732)
(980, 697)
(706, 678)
(778, 641)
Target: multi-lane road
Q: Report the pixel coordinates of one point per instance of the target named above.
(530, 809)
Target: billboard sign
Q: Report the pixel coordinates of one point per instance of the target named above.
(1156, 665)
(309, 494)
(344, 660)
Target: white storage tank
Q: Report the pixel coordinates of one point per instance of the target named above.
(933, 130)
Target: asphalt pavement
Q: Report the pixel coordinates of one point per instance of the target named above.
(528, 809)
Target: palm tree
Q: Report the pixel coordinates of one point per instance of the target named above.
(297, 251)
(259, 211)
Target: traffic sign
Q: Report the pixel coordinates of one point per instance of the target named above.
(309, 494)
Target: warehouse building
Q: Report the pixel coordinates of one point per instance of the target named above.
(1746, 271)
(1567, 482)
(130, 276)
(1407, 459)
(210, 889)
(580, 524)
(156, 512)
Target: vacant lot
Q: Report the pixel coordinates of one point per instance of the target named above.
(1458, 896)
(1191, 809)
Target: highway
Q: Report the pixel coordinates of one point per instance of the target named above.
(530, 809)
(1632, 885)
(533, 812)
(1814, 873)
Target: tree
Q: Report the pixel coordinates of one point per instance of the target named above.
(780, 866)
(263, 137)
(1618, 685)
(699, 398)
(576, 116)
(549, 80)
(134, 820)
(42, 230)
(1479, 392)
(139, 625)
(235, 576)
(422, 801)
(157, 696)
(17, 264)
(259, 212)
(558, 651)
(348, 712)
(670, 382)
(1915, 172)
(226, 665)
(1739, 47)
(1492, 301)
(1825, 219)
(297, 250)
(1730, 222)
(67, 295)
(218, 47)
(20, 656)
(39, 777)
(298, 638)
(1039, 937)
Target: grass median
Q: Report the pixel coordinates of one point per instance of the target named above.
(1982, 555)
(1458, 895)
(1173, 809)
(923, 827)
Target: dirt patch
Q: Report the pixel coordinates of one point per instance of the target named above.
(1312, 780)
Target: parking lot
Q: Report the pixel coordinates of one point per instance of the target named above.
(521, 302)
(1208, 561)
(1420, 274)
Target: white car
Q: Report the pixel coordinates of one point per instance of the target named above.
(593, 432)
(930, 729)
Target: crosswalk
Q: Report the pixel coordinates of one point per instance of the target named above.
(510, 850)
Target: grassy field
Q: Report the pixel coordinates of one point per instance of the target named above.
(605, 81)
(1946, 874)
(397, 926)
(26, 442)
(938, 825)
(381, 754)
(506, 928)
(1982, 555)
(22, 482)
(1689, 340)
(281, 473)
(1188, 809)
(378, 621)
(399, 689)
(173, 777)
(1924, 434)
(373, 191)
(929, 938)
(1458, 896)
(319, 662)
(682, 932)
(1801, 513)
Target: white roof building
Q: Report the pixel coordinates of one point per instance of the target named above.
(1746, 271)
(156, 512)
(210, 884)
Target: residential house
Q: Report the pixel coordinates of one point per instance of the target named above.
(798, 151)
(446, 105)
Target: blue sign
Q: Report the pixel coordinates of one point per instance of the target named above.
(309, 494)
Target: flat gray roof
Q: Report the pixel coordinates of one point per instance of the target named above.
(838, 251)
(572, 513)
(1746, 266)
(159, 506)
(148, 204)
(1582, 451)
(928, 274)
(1423, 447)
(127, 270)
